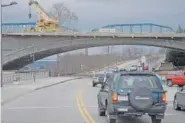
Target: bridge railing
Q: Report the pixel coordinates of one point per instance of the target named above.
(24, 27)
(138, 28)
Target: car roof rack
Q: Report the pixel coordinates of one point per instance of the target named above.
(138, 72)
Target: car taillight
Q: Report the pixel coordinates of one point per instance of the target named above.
(114, 97)
(164, 99)
(145, 67)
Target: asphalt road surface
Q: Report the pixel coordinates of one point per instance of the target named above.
(73, 101)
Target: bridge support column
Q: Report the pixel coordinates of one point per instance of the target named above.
(58, 65)
(86, 52)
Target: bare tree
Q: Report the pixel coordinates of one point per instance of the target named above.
(179, 30)
(62, 13)
(73, 16)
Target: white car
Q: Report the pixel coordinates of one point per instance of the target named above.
(133, 68)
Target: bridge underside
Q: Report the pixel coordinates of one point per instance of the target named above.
(44, 46)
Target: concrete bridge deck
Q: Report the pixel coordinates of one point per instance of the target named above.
(172, 36)
(18, 47)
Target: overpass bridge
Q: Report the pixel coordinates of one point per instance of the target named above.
(19, 48)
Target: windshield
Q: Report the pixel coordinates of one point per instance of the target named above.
(132, 81)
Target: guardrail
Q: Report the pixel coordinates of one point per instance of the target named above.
(11, 76)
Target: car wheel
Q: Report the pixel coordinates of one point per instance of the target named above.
(101, 112)
(169, 83)
(155, 120)
(175, 104)
(110, 120)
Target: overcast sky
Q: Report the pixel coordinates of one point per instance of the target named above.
(96, 13)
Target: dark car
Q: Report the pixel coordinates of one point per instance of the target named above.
(122, 70)
(179, 99)
(98, 79)
(132, 94)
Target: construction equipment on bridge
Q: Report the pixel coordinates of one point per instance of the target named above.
(44, 23)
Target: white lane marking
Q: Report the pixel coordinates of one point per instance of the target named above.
(170, 114)
(45, 107)
(39, 107)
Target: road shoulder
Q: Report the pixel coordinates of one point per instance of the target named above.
(13, 92)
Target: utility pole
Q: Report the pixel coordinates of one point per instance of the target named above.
(33, 70)
(108, 50)
(112, 47)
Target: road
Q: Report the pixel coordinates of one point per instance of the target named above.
(73, 101)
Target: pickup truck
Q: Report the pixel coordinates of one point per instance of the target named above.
(171, 74)
(177, 79)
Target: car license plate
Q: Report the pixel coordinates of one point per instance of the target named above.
(123, 109)
(123, 98)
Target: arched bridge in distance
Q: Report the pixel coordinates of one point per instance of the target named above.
(138, 28)
(19, 48)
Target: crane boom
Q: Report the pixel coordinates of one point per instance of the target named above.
(45, 23)
(42, 14)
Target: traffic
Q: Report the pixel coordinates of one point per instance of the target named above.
(98, 61)
(117, 94)
(137, 91)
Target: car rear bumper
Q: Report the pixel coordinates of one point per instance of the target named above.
(97, 82)
(158, 109)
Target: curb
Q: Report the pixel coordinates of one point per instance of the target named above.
(23, 94)
(57, 83)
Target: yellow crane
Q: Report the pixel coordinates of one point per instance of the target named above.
(44, 23)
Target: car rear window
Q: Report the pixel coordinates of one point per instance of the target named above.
(131, 81)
